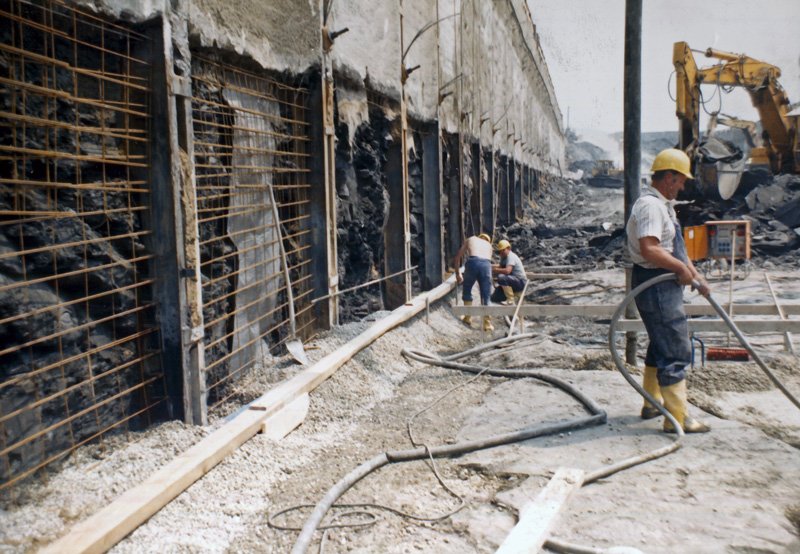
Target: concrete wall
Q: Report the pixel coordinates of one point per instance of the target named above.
(503, 93)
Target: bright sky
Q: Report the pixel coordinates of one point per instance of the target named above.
(583, 42)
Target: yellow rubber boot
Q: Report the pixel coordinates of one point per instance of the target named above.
(487, 323)
(676, 403)
(467, 318)
(650, 385)
(517, 296)
(509, 292)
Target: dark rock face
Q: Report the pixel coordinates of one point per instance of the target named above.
(416, 212)
(363, 210)
(78, 326)
(218, 261)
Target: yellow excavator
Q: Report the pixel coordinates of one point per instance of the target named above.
(779, 146)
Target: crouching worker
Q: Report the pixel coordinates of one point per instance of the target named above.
(478, 267)
(656, 246)
(510, 275)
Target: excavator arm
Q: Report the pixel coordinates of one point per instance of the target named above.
(759, 79)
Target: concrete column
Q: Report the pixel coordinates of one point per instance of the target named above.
(512, 185)
(476, 201)
(455, 226)
(322, 244)
(394, 235)
(516, 213)
(502, 191)
(432, 209)
(324, 207)
(488, 195)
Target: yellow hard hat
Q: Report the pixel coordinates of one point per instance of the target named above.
(503, 244)
(673, 159)
(485, 237)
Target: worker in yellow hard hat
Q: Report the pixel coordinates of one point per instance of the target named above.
(510, 274)
(477, 255)
(655, 244)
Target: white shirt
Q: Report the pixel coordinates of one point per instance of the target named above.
(652, 215)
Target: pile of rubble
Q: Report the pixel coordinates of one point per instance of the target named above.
(554, 236)
(771, 204)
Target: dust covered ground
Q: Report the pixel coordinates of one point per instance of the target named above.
(733, 490)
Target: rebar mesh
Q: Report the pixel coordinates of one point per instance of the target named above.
(250, 144)
(79, 355)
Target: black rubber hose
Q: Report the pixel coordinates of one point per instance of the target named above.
(598, 417)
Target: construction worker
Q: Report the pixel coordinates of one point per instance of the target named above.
(510, 273)
(477, 252)
(656, 246)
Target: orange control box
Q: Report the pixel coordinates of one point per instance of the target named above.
(716, 239)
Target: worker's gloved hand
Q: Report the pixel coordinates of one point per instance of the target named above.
(704, 288)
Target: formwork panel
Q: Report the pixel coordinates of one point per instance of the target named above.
(79, 343)
(250, 148)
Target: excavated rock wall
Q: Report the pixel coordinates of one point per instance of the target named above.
(61, 244)
(481, 74)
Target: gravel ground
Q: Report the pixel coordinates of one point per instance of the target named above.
(734, 490)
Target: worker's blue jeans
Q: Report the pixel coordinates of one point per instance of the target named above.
(661, 310)
(477, 269)
(515, 283)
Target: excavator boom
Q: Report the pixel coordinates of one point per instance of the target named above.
(759, 79)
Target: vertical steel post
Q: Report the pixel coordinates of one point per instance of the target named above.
(329, 161)
(632, 136)
(175, 229)
(404, 165)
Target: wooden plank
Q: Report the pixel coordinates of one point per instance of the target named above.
(550, 275)
(112, 523)
(286, 420)
(537, 517)
(536, 310)
(787, 338)
(746, 326)
(607, 310)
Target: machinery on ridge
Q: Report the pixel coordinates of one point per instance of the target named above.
(780, 148)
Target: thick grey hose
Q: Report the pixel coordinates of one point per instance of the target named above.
(752, 352)
(612, 345)
(725, 317)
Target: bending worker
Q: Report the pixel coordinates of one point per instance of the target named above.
(656, 246)
(510, 275)
(477, 267)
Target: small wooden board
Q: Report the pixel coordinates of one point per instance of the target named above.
(536, 517)
(286, 420)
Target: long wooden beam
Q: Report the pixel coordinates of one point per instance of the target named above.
(746, 326)
(550, 275)
(111, 524)
(607, 310)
